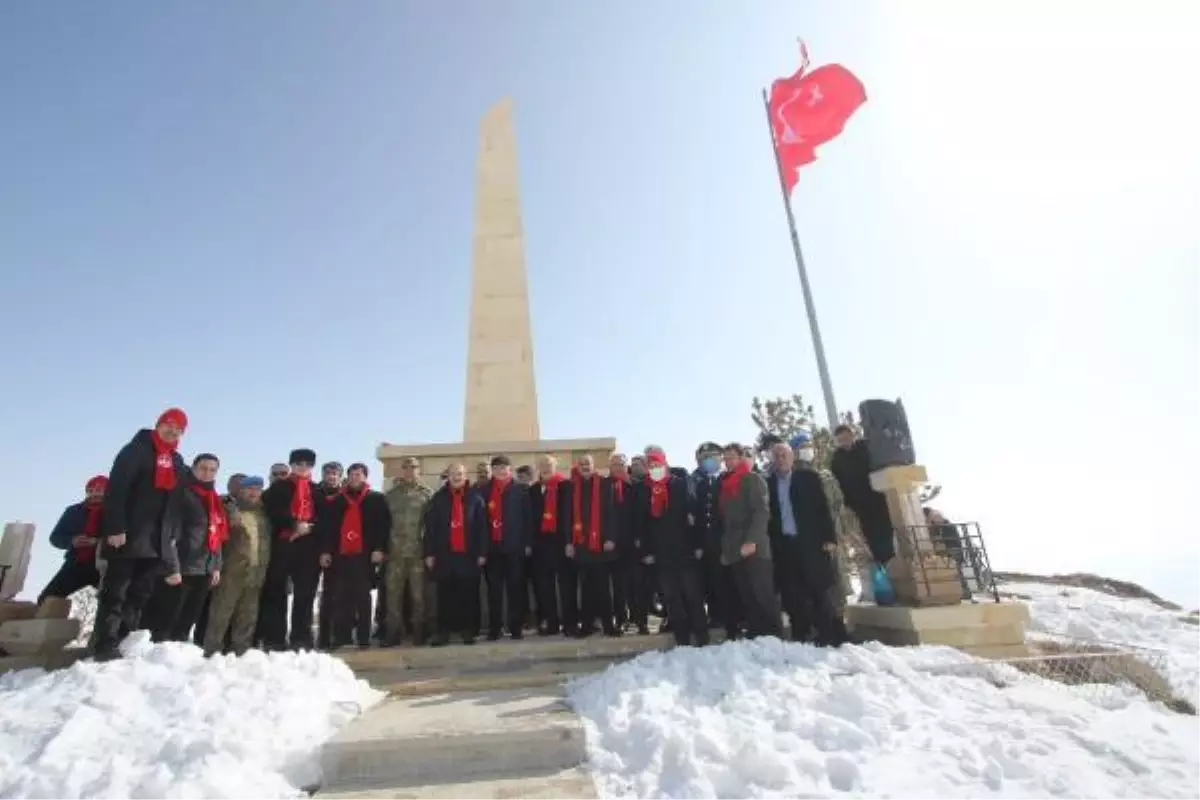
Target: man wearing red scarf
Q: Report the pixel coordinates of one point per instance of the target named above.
(745, 545)
(509, 532)
(193, 562)
(672, 547)
(354, 538)
(78, 533)
(592, 543)
(455, 543)
(141, 509)
(553, 573)
(330, 488)
(293, 506)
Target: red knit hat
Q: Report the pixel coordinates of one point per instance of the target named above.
(96, 483)
(173, 416)
(657, 458)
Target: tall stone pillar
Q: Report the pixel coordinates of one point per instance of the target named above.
(501, 397)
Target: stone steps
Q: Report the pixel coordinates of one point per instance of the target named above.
(454, 741)
(568, 783)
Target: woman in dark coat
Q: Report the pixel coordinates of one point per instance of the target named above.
(193, 564)
(456, 539)
(145, 486)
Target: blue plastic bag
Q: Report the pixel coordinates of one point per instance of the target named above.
(881, 585)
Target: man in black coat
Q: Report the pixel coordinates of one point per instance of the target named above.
(329, 489)
(78, 533)
(455, 543)
(354, 534)
(670, 545)
(509, 530)
(595, 533)
(140, 506)
(553, 574)
(719, 594)
(804, 542)
(293, 506)
(851, 466)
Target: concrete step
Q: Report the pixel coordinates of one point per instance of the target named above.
(402, 682)
(455, 739)
(572, 783)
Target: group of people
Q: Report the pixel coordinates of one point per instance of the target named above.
(724, 545)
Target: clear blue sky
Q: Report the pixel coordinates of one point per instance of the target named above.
(261, 212)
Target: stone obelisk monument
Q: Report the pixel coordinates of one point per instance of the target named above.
(500, 410)
(501, 401)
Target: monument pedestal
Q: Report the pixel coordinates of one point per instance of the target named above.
(926, 581)
(986, 630)
(435, 458)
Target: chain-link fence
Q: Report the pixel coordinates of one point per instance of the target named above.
(1106, 672)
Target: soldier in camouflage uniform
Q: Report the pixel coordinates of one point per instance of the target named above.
(851, 544)
(407, 501)
(245, 555)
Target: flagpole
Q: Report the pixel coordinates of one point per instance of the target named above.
(815, 329)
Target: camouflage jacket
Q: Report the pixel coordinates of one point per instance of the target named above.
(248, 548)
(407, 503)
(844, 521)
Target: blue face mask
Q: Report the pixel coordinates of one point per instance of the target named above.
(711, 465)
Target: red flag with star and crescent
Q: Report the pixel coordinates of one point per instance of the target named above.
(809, 109)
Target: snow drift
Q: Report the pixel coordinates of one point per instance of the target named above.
(165, 722)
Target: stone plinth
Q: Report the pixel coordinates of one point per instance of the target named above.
(17, 609)
(37, 637)
(920, 574)
(15, 547)
(435, 458)
(988, 630)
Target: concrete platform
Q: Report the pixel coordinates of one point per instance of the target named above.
(983, 629)
(37, 637)
(454, 739)
(572, 783)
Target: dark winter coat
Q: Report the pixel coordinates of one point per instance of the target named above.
(376, 520)
(514, 506)
(669, 538)
(547, 540)
(190, 554)
(70, 525)
(802, 557)
(744, 519)
(277, 501)
(437, 534)
(852, 469)
(628, 511)
(706, 510)
(612, 526)
(133, 506)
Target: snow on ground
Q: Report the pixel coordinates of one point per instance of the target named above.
(83, 608)
(774, 719)
(1089, 615)
(165, 722)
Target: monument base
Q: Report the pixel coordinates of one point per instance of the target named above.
(435, 458)
(987, 630)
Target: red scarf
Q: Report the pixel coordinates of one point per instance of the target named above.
(458, 533)
(91, 527)
(732, 481)
(351, 540)
(593, 537)
(550, 503)
(658, 495)
(302, 504)
(496, 509)
(218, 523)
(164, 462)
(619, 490)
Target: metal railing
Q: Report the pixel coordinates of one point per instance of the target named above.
(947, 561)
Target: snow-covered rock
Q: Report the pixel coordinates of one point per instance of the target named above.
(83, 608)
(163, 721)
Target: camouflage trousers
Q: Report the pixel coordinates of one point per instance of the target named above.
(233, 608)
(401, 576)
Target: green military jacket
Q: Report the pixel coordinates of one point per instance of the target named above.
(248, 548)
(407, 503)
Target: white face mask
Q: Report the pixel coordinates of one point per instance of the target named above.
(658, 473)
(805, 454)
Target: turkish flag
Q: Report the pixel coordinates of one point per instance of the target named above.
(809, 109)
